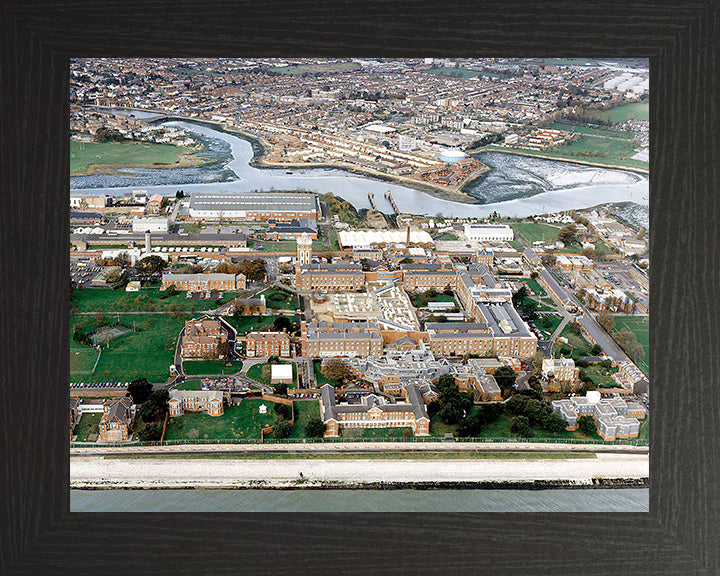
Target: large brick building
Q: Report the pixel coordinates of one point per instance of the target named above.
(614, 417)
(374, 412)
(279, 206)
(208, 401)
(426, 276)
(267, 344)
(115, 422)
(201, 337)
(338, 339)
(332, 277)
(204, 282)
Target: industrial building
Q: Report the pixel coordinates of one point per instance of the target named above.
(489, 232)
(279, 206)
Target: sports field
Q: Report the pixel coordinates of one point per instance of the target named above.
(640, 326)
(147, 353)
(82, 359)
(530, 232)
(85, 154)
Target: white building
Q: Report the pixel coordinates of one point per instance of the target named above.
(489, 232)
(142, 225)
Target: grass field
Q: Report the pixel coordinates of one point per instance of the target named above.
(601, 377)
(255, 373)
(146, 300)
(279, 299)
(535, 287)
(188, 385)
(147, 353)
(578, 344)
(251, 323)
(636, 111)
(210, 367)
(460, 73)
(590, 131)
(640, 326)
(88, 428)
(304, 411)
(85, 154)
(328, 68)
(530, 232)
(81, 359)
(242, 421)
(554, 323)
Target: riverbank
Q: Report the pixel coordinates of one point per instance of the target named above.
(97, 472)
(515, 151)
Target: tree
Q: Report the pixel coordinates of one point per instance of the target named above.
(179, 194)
(193, 269)
(520, 426)
(151, 432)
(606, 320)
(280, 389)
(534, 275)
(315, 428)
(586, 425)
(282, 429)
(169, 291)
(282, 410)
(596, 350)
(223, 349)
(139, 390)
(505, 377)
(468, 427)
(155, 407)
(554, 424)
(335, 369)
(150, 265)
(282, 323)
(574, 327)
(406, 260)
(567, 233)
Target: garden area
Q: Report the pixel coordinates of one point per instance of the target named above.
(305, 410)
(600, 375)
(210, 367)
(320, 378)
(88, 428)
(246, 324)
(188, 385)
(279, 299)
(261, 373)
(146, 353)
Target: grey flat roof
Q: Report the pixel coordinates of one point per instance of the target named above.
(275, 201)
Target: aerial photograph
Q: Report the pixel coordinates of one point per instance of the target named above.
(359, 284)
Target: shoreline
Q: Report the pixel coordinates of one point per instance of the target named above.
(490, 148)
(617, 470)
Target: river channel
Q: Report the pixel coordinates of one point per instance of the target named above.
(515, 186)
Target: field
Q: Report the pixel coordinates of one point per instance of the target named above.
(82, 359)
(577, 345)
(87, 429)
(529, 232)
(146, 300)
(188, 385)
(251, 323)
(209, 367)
(85, 154)
(636, 111)
(459, 73)
(590, 131)
(279, 299)
(147, 353)
(638, 325)
(304, 411)
(255, 373)
(329, 68)
(535, 287)
(242, 421)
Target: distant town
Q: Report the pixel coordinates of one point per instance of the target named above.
(288, 316)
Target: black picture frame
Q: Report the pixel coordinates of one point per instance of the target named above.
(680, 535)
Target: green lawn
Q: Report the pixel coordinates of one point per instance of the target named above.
(255, 373)
(319, 378)
(279, 299)
(515, 244)
(304, 411)
(580, 346)
(535, 286)
(590, 131)
(636, 110)
(87, 429)
(81, 359)
(188, 385)
(210, 367)
(530, 232)
(439, 297)
(146, 300)
(601, 377)
(324, 68)
(554, 323)
(644, 432)
(242, 421)
(251, 323)
(147, 353)
(85, 154)
(640, 326)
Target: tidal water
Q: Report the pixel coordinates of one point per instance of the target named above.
(516, 185)
(551, 500)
